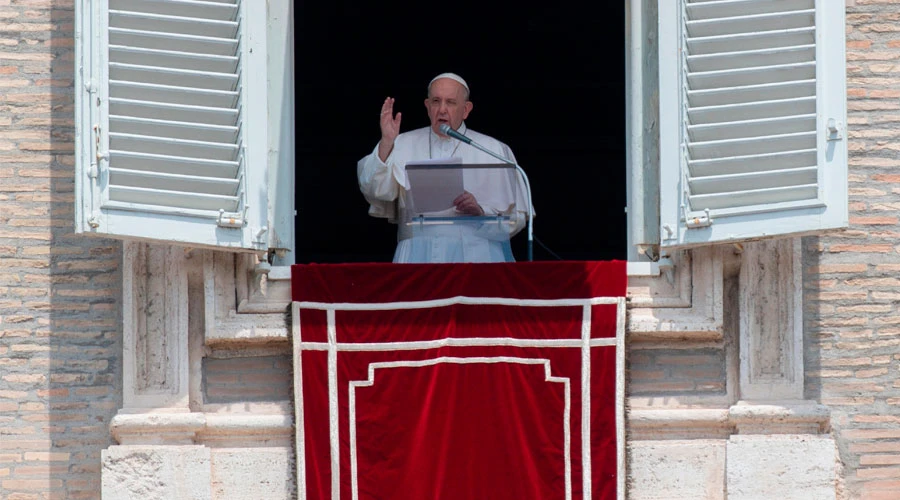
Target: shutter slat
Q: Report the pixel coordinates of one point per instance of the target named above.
(752, 58)
(752, 146)
(751, 41)
(201, 167)
(752, 163)
(173, 95)
(170, 76)
(196, 201)
(753, 181)
(173, 182)
(173, 41)
(756, 197)
(752, 128)
(173, 112)
(173, 59)
(751, 93)
(183, 8)
(173, 24)
(736, 8)
(174, 147)
(753, 110)
(173, 129)
(751, 24)
(752, 76)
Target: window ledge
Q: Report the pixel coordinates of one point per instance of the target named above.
(643, 269)
(663, 305)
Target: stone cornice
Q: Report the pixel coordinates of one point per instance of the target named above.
(776, 417)
(213, 429)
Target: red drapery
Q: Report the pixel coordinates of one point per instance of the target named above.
(459, 381)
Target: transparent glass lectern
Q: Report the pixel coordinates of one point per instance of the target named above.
(438, 232)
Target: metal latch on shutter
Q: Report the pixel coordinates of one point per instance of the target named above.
(232, 220)
(697, 221)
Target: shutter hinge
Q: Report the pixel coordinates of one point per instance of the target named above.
(670, 233)
(232, 220)
(94, 176)
(259, 236)
(667, 267)
(695, 222)
(834, 130)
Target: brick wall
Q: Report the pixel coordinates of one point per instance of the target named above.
(676, 372)
(852, 278)
(60, 349)
(257, 378)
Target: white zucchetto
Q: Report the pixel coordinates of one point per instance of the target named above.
(452, 76)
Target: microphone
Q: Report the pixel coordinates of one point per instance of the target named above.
(447, 130)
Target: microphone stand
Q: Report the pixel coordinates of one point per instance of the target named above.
(527, 189)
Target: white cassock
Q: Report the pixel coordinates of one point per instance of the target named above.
(384, 185)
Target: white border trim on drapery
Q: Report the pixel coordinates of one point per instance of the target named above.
(585, 343)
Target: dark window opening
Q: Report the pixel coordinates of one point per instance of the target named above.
(547, 79)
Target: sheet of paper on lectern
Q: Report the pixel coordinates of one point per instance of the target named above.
(434, 184)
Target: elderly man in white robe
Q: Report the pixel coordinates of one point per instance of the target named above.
(385, 184)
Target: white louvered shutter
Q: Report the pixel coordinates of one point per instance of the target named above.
(172, 121)
(752, 119)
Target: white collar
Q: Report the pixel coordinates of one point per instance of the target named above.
(443, 147)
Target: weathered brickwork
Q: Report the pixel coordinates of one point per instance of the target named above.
(676, 372)
(60, 348)
(257, 378)
(852, 278)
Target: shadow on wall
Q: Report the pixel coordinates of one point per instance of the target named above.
(814, 334)
(84, 370)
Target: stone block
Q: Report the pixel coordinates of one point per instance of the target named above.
(156, 473)
(673, 469)
(253, 473)
(786, 467)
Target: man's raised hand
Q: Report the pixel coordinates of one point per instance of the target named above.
(390, 128)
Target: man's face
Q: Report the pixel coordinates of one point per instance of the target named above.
(447, 103)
